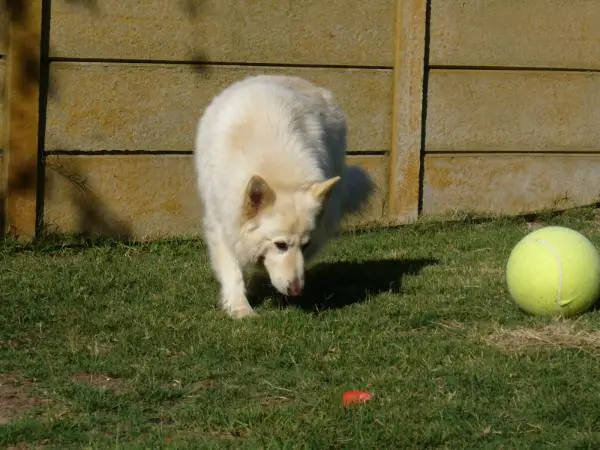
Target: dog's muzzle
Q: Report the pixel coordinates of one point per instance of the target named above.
(295, 289)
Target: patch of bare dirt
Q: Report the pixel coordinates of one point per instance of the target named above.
(202, 385)
(556, 335)
(99, 381)
(16, 397)
(17, 342)
(274, 401)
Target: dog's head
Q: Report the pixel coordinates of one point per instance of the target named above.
(281, 228)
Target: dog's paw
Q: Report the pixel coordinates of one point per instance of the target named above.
(236, 306)
(242, 312)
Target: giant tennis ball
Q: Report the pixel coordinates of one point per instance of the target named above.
(554, 271)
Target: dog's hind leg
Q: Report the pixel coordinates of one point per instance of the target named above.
(229, 273)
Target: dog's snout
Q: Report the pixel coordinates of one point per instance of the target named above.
(295, 289)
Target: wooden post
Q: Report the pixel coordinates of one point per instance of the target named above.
(407, 135)
(23, 88)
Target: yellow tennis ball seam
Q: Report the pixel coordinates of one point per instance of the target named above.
(553, 251)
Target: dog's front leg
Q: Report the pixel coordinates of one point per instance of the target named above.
(233, 291)
(230, 276)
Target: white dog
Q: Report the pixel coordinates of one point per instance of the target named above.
(270, 160)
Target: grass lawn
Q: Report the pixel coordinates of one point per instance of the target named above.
(106, 345)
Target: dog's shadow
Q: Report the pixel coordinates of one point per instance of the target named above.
(336, 285)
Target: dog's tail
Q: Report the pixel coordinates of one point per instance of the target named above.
(357, 188)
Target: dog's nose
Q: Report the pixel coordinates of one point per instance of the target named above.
(295, 288)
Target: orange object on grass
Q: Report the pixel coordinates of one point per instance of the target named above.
(352, 397)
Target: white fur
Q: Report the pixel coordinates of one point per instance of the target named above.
(292, 134)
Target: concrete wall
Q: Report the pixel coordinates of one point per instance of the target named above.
(486, 106)
(127, 79)
(513, 105)
(262, 31)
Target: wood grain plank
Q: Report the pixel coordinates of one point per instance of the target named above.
(258, 31)
(528, 111)
(146, 196)
(98, 106)
(509, 184)
(23, 85)
(516, 33)
(409, 71)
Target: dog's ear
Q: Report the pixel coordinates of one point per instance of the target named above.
(321, 191)
(257, 197)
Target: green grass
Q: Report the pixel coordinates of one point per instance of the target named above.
(107, 345)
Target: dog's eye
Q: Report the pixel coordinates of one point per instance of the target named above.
(282, 246)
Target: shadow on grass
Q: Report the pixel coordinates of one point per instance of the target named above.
(337, 285)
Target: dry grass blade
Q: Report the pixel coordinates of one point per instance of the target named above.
(557, 335)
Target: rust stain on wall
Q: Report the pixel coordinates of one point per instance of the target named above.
(171, 206)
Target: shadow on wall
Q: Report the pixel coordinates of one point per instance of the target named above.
(21, 181)
(93, 217)
(22, 178)
(198, 58)
(15, 11)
